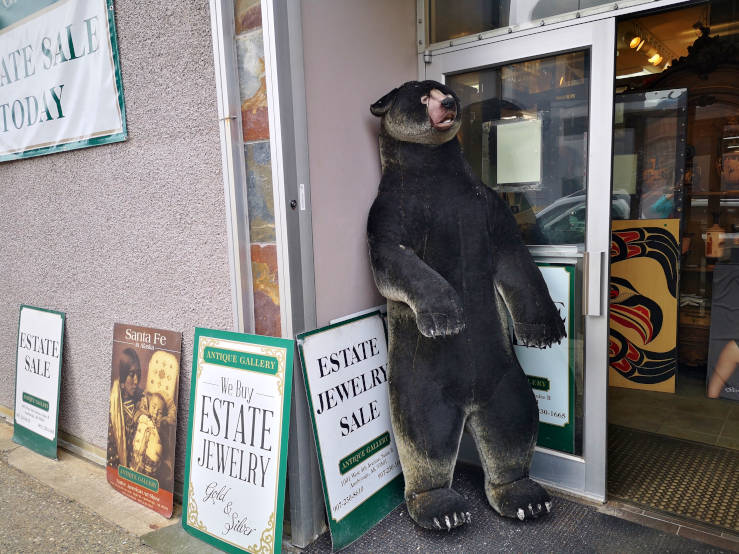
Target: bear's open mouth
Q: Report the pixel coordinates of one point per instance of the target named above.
(444, 120)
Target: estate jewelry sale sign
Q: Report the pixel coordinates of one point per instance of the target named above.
(345, 369)
(237, 441)
(551, 370)
(37, 379)
(60, 85)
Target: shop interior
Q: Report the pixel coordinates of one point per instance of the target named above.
(673, 401)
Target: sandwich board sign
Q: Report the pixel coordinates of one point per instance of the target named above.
(38, 379)
(345, 371)
(236, 459)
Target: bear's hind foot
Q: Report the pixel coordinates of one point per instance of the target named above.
(438, 509)
(522, 499)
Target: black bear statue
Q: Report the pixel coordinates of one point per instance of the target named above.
(447, 254)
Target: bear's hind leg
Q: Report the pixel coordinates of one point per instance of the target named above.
(504, 430)
(428, 452)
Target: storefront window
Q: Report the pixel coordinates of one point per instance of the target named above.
(676, 159)
(451, 19)
(524, 132)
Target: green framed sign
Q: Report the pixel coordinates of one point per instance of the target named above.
(551, 371)
(236, 459)
(345, 371)
(60, 79)
(38, 379)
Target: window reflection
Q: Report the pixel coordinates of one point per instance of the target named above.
(450, 19)
(525, 132)
(649, 152)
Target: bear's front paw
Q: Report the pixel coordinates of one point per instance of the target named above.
(540, 335)
(444, 323)
(440, 315)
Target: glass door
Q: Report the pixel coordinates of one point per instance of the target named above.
(537, 128)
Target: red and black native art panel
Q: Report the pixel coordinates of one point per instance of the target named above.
(642, 345)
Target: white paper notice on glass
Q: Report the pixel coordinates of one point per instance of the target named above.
(518, 152)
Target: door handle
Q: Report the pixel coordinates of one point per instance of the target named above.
(593, 266)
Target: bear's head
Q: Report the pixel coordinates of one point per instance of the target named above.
(424, 112)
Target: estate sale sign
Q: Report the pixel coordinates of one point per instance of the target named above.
(60, 85)
(237, 440)
(345, 370)
(37, 379)
(551, 371)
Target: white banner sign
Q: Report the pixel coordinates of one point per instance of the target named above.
(59, 81)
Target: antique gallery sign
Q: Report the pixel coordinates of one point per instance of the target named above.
(551, 371)
(237, 440)
(38, 378)
(142, 424)
(60, 85)
(345, 370)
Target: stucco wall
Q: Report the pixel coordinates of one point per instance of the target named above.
(354, 52)
(132, 232)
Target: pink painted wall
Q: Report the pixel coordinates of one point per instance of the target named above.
(354, 52)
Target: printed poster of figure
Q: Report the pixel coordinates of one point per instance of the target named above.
(142, 422)
(723, 348)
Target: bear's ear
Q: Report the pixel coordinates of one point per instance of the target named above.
(381, 107)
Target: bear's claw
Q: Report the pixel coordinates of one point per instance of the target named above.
(438, 509)
(520, 499)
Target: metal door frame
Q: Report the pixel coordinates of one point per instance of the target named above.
(586, 475)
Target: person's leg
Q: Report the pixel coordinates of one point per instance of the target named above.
(725, 367)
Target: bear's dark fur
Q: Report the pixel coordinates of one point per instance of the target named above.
(447, 254)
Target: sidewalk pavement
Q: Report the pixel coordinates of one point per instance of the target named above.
(68, 506)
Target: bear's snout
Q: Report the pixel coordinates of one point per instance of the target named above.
(442, 109)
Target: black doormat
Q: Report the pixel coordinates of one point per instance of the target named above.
(676, 476)
(570, 528)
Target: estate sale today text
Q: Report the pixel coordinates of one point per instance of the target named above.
(72, 42)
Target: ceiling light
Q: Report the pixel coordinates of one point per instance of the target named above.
(635, 42)
(640, 45)
(654, 60)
